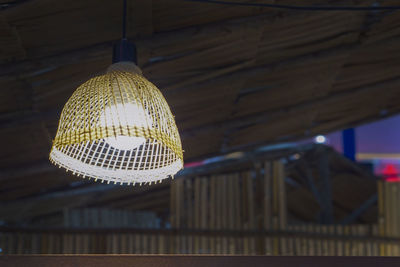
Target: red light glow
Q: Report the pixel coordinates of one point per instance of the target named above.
(391, 174)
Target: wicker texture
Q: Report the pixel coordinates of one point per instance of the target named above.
(118, 127)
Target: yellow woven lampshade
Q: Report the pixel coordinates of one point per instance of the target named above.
(118, 127)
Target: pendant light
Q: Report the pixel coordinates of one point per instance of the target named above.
(118, 127)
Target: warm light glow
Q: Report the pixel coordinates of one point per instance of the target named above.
(118, 128)
(125, 115)
(320, 139)
(125, 142)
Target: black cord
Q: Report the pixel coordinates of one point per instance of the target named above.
(124, 21)
(309, 8)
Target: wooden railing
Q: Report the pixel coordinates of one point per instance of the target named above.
(192, 261)
(305, 240)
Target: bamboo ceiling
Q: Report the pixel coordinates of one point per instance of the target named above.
(235, 77)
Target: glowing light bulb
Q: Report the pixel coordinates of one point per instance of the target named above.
(125, 142)
(125, 115)
(320, 139)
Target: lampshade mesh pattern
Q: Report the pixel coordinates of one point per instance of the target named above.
(118, 127)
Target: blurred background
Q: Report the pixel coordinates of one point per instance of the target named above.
(289, 122)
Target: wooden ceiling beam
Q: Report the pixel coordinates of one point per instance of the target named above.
(25, 117)
(255, 133)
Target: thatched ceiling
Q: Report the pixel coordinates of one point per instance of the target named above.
(235, 77)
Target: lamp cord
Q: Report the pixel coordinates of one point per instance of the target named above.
(124, 20)
(293, 7)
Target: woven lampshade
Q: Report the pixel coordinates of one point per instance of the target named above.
(118, 127)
